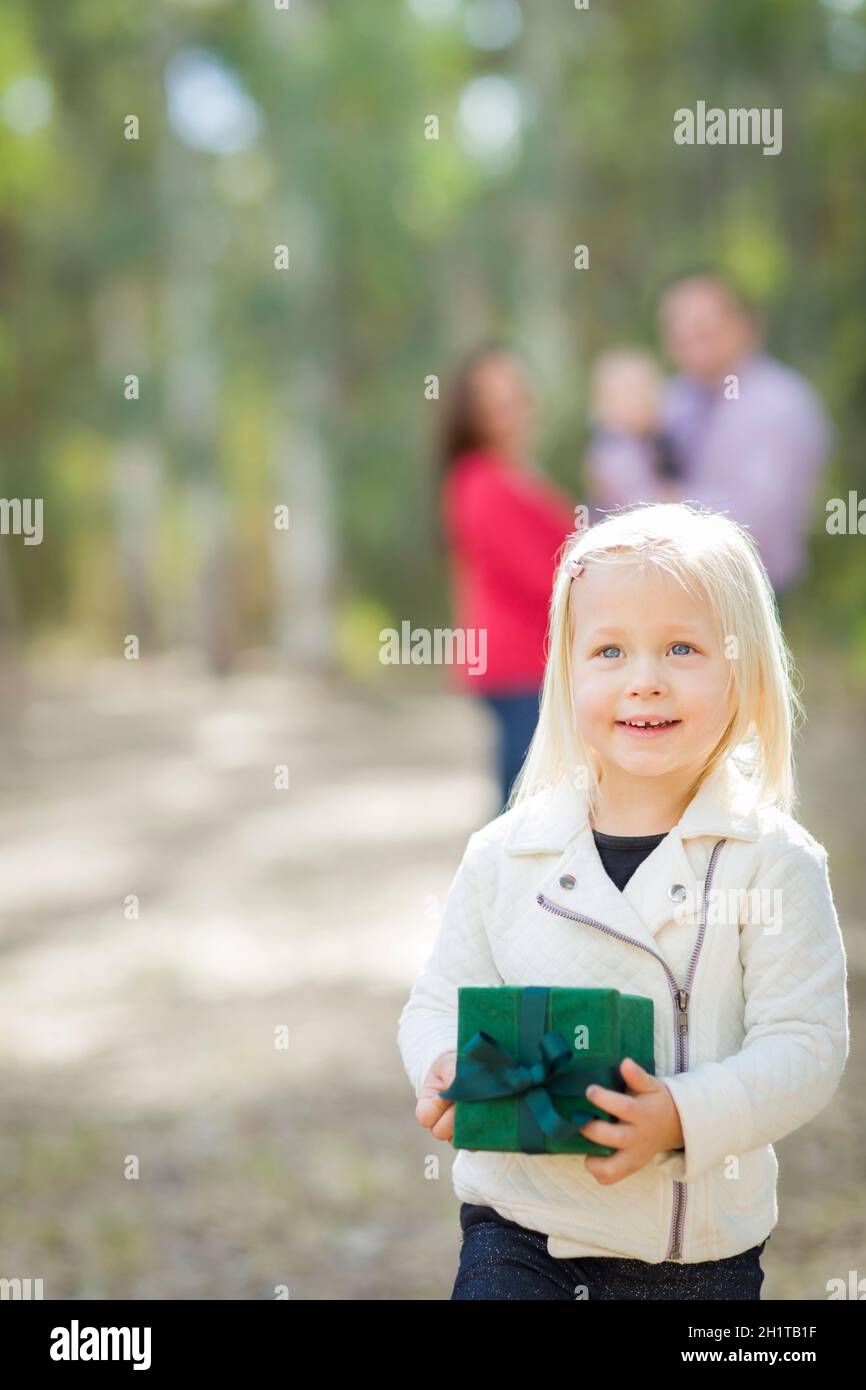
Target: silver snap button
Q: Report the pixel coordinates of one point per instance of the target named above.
(567, 881)
(677, 892)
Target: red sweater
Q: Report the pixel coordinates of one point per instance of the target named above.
(504, 528)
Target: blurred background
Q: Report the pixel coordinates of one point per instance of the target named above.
(250, 822)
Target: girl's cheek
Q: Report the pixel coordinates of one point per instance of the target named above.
(593, 713)
(586, 701)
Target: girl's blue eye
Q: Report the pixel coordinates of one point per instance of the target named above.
(684, 649)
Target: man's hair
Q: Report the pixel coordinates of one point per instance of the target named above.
(727, 289)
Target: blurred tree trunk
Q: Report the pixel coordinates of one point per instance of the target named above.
(13, 675)
(191, 397)
(548, 225)
(122, 315)
(303, 555)
(137, 467)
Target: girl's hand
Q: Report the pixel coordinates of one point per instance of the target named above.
(649, 1124)
(432, 1111)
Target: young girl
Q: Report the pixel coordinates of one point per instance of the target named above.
(648, 846)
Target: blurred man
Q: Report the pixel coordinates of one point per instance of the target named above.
(744, 433)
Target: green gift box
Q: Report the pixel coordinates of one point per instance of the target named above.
(526, 1056)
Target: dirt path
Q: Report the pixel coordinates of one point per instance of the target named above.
(147, 1043)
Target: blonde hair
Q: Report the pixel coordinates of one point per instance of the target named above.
(715, 558)
(626, 359)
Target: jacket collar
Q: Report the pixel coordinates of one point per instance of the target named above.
(556, 821)
(724, 807)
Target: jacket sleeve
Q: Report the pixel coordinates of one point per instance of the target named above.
(796, 1020)
(461, 955)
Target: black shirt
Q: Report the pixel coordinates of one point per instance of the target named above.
(622, 854)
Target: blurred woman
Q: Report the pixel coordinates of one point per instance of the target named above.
(503, 526)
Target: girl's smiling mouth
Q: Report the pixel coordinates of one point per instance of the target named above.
(647, 728)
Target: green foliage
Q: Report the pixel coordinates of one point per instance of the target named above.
(404, 252)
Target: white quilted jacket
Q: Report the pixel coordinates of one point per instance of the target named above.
(749, 992)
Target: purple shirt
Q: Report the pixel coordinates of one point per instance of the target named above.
(758, 458)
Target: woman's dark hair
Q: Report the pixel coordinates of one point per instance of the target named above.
(458, 425)
(458, 429)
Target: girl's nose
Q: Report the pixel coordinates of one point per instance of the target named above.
(646, 682)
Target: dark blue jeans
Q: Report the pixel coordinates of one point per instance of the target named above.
(501, 1260)
(516, 717)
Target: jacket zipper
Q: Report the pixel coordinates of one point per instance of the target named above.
(680, 999)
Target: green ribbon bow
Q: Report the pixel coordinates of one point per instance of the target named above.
(487, 1071)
